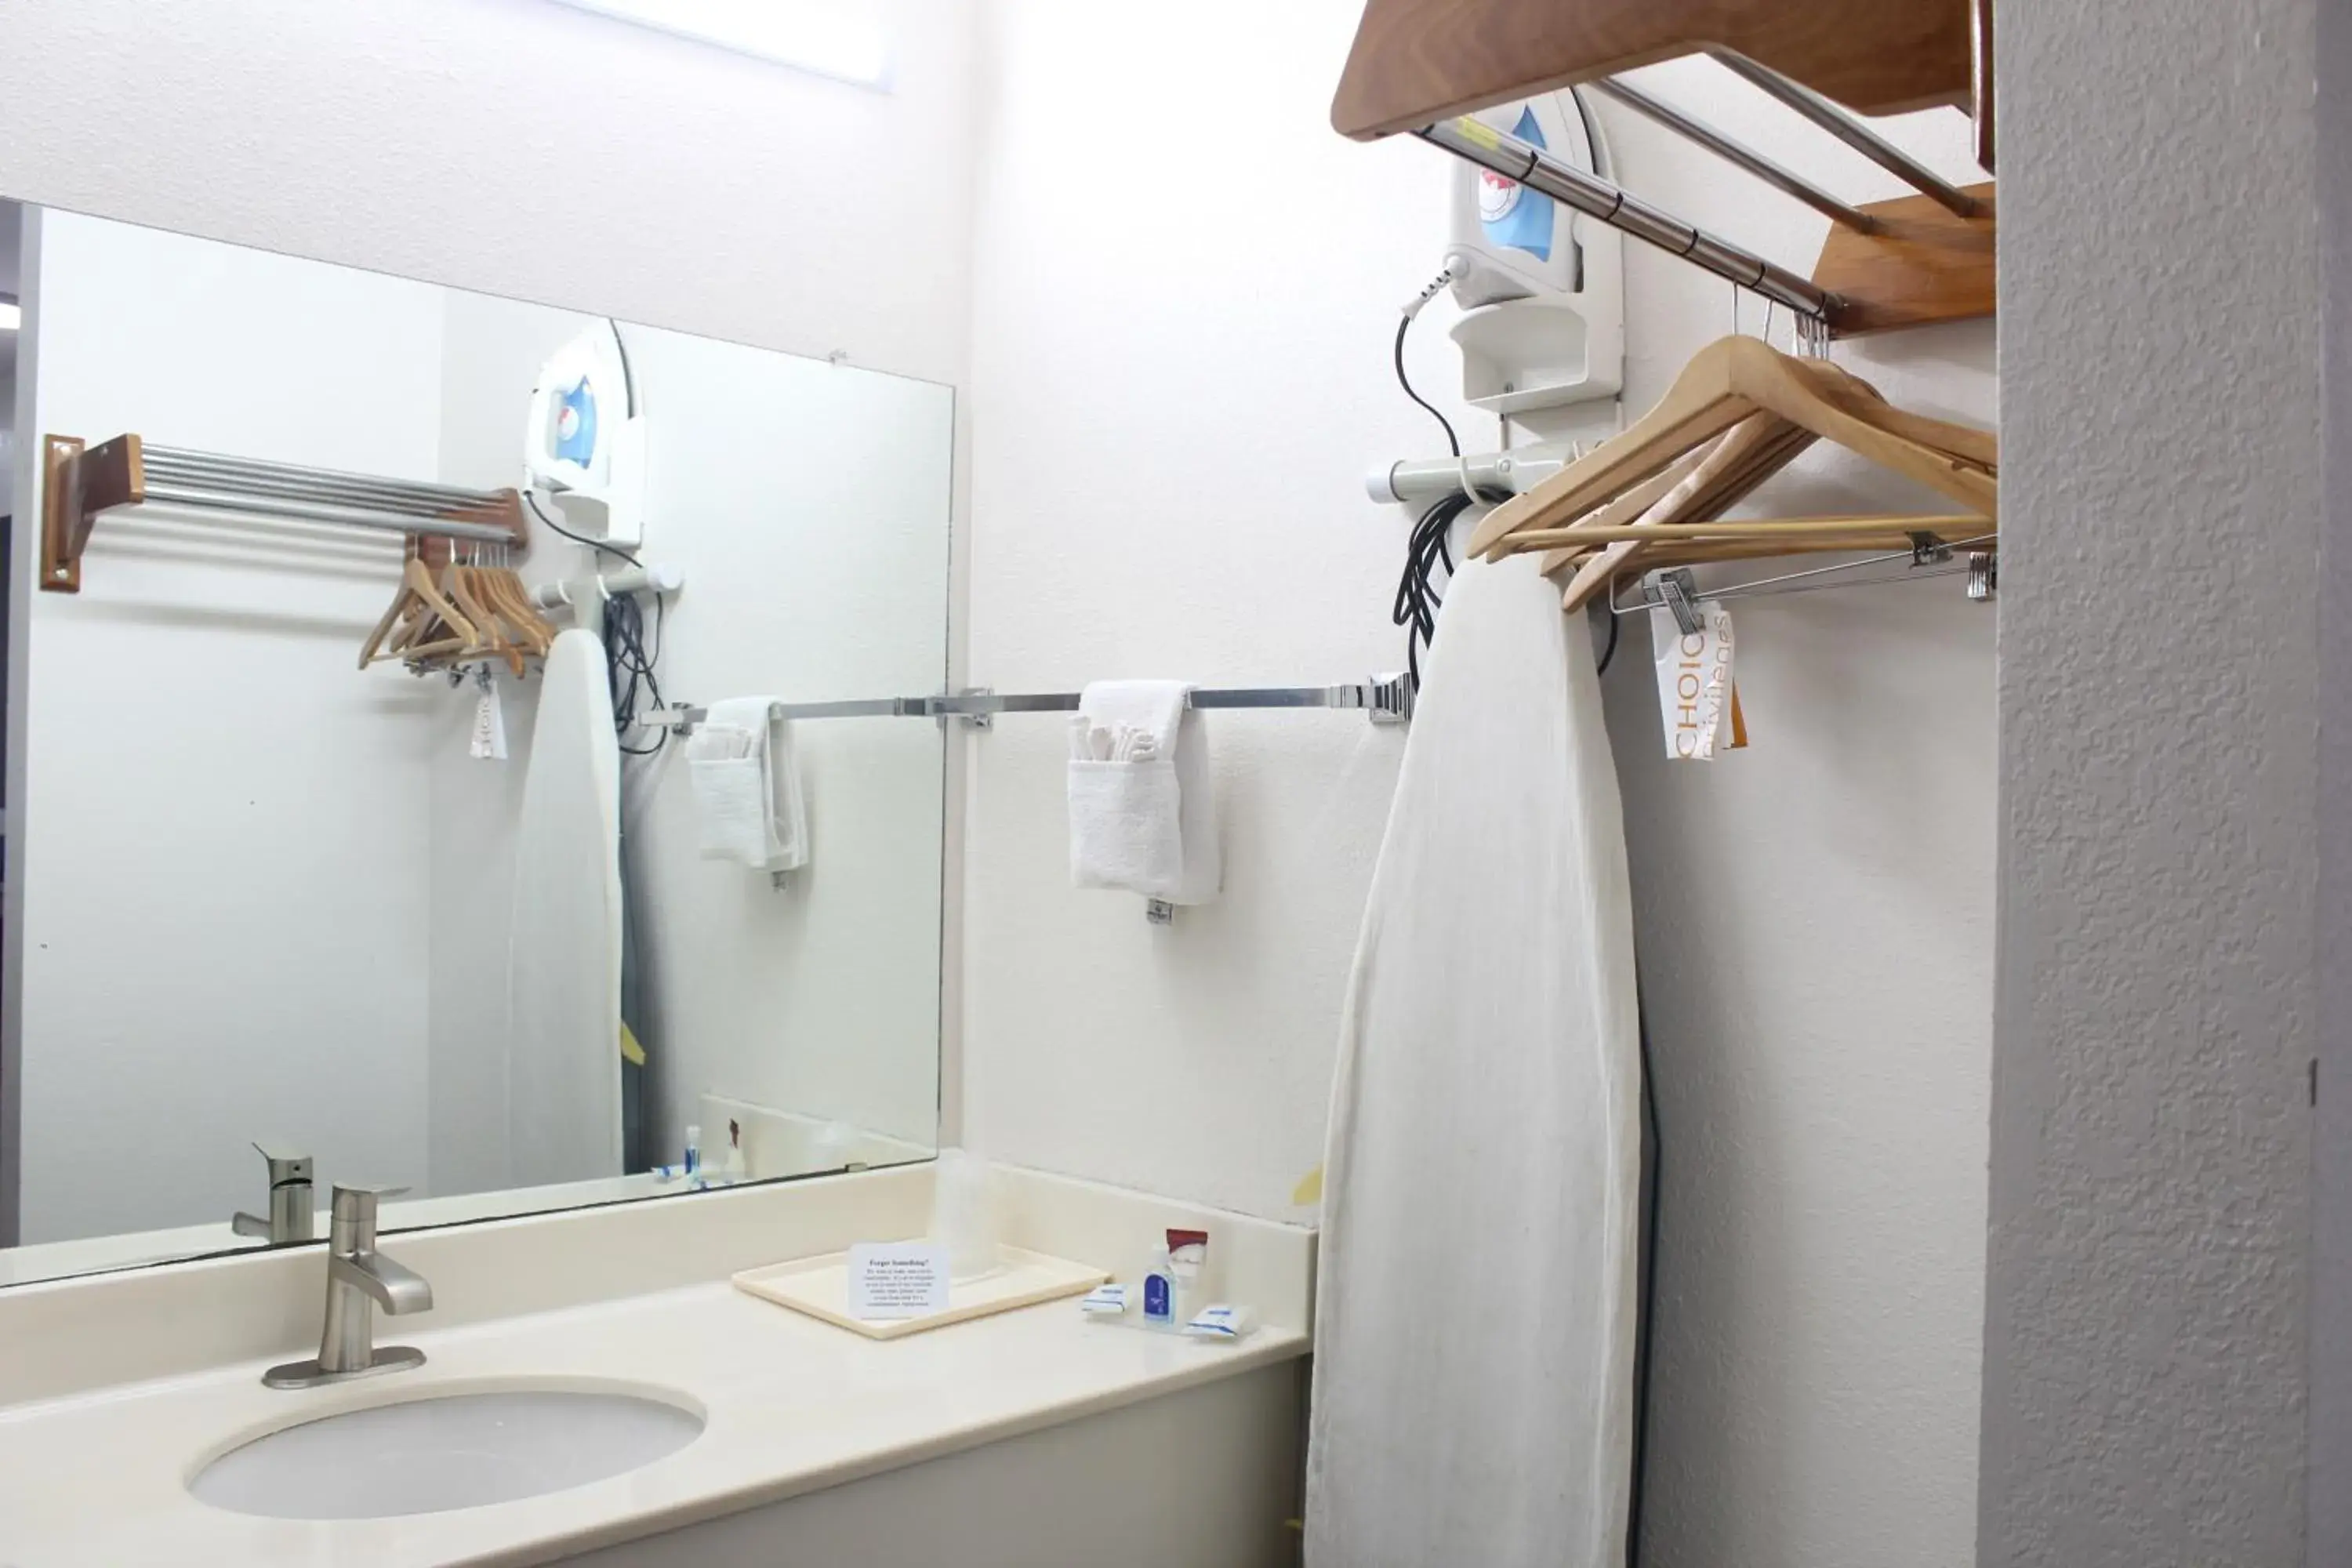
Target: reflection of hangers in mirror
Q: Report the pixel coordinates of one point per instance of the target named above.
(401, 600)
(460, 580)
(508, 591)
(439, 626)
(413, 624)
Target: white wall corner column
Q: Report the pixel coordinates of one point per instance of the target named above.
(2155, 1016)
(2330, 1471)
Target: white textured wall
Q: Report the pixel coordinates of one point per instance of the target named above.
(2330, 1482)
(2160, 708)
(1180, 374)
(1814, 920)
(1180, 366)
(220, 845)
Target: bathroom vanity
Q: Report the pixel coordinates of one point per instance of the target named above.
(376, 1197)
(720, 1428)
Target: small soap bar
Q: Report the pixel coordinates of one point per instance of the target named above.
(1104, 1302)
(1222, 1322)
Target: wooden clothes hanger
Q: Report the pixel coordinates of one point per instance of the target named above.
(1727, 471)
(447, 611)
(520, 613)
(420, 619)
(1725, 383)
(458, 579)
(440, 627)
(1739, 412)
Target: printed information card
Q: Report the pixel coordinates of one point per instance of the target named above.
(891, 1280)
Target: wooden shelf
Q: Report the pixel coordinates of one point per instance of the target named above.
(1921, 266)
(1416, 61)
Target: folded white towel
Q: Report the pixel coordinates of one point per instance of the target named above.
(1142, 812)
(747, 787)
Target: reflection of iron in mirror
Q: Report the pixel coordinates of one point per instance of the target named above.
(461, 918)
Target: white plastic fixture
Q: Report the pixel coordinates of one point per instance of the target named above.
(585, 442)
(12, 315)
(1541, 287)
(843, 39)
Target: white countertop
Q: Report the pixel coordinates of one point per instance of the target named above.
(792, 1404)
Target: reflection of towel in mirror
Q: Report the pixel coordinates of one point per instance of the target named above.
(747, 787)
(1143, 808)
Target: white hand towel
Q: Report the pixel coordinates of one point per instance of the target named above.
(747, 787)
(1142, 808)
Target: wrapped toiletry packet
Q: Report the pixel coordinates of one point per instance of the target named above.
(1222, 1321)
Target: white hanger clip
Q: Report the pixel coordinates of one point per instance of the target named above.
(1678, 591)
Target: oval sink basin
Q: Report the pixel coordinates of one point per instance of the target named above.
(458, 1450)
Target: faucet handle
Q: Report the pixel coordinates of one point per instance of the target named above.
(354, 1213)
(286, 1164)
(357, 1200)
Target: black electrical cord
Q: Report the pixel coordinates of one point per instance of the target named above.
(1430, 546)
(629, 377)
(1609, 651)
(1417, 598)
(1452, 444)
(629, 663)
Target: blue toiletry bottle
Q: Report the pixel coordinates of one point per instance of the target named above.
(1160, 1292)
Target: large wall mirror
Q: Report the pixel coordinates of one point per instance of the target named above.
(479, 920)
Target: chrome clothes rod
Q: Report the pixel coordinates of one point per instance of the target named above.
(1387, 700)
(1469, 138)
(1735, 153)
(83, 482)
(211, 483)
(1829, 117)
(1507, 155)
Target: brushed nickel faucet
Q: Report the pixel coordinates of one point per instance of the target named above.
(289, 1217)
(359, 1281)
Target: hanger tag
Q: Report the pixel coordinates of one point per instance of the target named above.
(1696, 701)
(489, 742)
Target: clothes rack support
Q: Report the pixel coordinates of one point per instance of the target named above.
(1704, 135)
(1829, 117)
(1922, 562)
